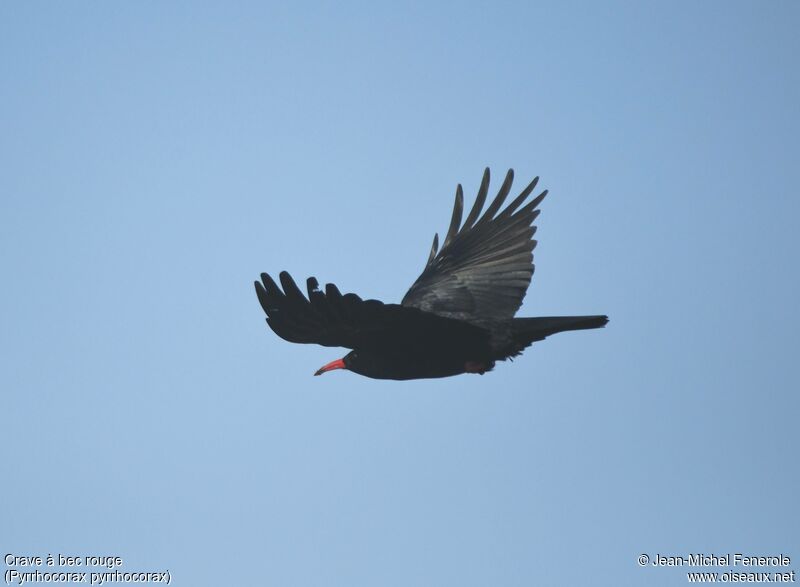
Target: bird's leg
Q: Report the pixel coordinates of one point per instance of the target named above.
(475, 367)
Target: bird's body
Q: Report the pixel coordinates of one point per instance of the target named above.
(458, 317)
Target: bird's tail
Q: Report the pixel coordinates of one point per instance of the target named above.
(528, 330)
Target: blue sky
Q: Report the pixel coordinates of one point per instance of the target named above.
(158, 157)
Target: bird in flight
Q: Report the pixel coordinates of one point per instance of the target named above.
(458, 316)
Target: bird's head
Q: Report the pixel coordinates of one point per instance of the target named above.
(378, 364)
(364, 362)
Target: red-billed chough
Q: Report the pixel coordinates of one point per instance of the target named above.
(458, 316)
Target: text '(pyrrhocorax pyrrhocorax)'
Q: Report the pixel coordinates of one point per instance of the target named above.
(458, 316)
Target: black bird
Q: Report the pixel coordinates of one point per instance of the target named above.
(458, 317)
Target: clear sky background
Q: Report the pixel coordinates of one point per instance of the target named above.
(156, 157)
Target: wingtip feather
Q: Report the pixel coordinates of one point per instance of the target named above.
(434, 249)
(455, 219)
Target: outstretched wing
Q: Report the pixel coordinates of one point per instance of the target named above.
(485, 265)
(332, 319)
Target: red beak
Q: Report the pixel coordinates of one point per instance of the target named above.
(337, 364)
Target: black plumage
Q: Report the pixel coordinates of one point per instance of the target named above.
(457, 317)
